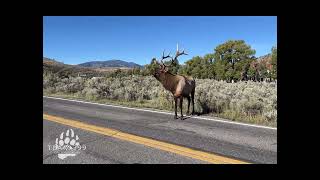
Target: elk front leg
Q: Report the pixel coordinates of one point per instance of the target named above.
(175, 107)
(181, 100)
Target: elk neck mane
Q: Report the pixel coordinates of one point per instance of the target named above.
(167, 80)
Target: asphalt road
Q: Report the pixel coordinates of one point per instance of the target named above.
(247, 143)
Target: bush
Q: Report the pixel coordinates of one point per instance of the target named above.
(241, 99)
(91, 94)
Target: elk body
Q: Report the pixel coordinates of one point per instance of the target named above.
(180, 86)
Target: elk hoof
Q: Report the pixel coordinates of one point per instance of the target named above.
(181, 117)
(175, 117)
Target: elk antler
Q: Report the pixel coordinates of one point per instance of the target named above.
(164, 57)
(179, 53)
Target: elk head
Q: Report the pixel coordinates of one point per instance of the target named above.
(163, 68)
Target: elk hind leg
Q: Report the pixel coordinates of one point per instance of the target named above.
(175, 107)
(192, 100)
(188, 97)
(181, 100)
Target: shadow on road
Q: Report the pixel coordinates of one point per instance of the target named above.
(184, 117)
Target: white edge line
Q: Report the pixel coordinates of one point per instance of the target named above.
(203, 118)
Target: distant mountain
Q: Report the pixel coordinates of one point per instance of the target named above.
(52, 61)
(109, 63)
(66, 70)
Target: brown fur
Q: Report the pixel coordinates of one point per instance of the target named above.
(180, 86)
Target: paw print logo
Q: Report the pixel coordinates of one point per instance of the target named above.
(68, 143)
(68, 140)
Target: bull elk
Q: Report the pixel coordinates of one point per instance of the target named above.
(180, 86)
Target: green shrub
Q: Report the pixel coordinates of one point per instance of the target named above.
(242, 101)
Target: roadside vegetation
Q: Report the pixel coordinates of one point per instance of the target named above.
(251, 98)
(253, 102)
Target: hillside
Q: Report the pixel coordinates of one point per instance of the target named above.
(109, 63)
(65, 70)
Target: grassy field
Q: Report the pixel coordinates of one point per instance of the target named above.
(249, 102)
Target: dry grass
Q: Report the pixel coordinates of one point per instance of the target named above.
(251, 102)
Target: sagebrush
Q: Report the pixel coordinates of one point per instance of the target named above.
(254, 102)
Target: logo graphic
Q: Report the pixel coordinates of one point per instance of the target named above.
(67, 145)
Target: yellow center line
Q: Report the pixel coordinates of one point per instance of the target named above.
(184, 151)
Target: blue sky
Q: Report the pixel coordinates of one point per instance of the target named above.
(78, 39)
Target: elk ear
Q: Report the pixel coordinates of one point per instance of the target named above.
(154, 61)
(166, 69)
(162, 68)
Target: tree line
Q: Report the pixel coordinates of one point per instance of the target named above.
(233, 60)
